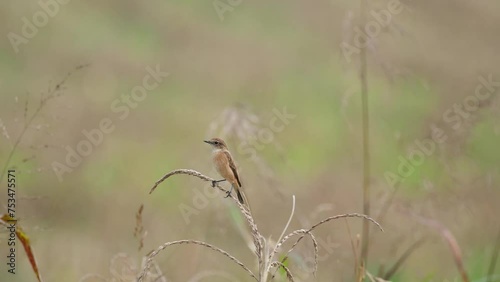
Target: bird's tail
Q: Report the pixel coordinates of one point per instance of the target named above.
(241, 196)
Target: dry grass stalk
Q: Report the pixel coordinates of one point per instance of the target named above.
(188, 172)
(264, 253)
(306, 231)
(449, 238)
(361, 272)
(402, 259)
(51, 93)
(298, 232)
(287, 270)
(354, 249)
(373, 278)
(164, 246)
(139, 232)
(366, 139)
(257, 238)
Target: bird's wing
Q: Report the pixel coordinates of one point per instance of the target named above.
(233, 167)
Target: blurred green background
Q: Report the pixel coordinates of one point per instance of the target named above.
(228, 74)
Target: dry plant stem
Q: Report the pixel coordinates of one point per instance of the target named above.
(374, 279)
(449, 238)
(139, 233)
(306, 231)
(289, 219)
(52, 92)
(188, 172)
(402, 259)
(361, 273)
(192, 172)
(494, 257)
(280, 241)
(297, 232)
(258, 240)
(164, 246)
(262, 250)
(366, 149)
(160, 277)
(248, 216)
(281, 265)
(354, 250)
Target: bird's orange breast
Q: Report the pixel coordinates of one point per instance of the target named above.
(221, 164)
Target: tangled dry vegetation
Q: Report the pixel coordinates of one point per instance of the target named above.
(266, 253)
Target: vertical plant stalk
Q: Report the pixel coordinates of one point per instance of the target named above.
(494, 257)
(366, 139)
(388, 275)
(446, 234)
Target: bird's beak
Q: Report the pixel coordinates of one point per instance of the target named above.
(207, 141)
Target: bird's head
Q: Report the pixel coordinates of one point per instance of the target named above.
(216, 143)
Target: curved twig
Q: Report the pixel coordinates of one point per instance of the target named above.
(257, 238)
(388, 275)
(188, 172)
(164, 246)
(448, 237)
(297, 232)
(305, 231)
(289, 219)
(275, 250)
(347, 215)
(288, 272)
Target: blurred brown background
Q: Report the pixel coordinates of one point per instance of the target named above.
(231, 66)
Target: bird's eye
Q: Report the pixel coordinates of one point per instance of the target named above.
(217, 142)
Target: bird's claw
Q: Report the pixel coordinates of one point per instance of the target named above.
(228, 193)
(213, 183)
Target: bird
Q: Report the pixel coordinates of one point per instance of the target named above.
(225, 166)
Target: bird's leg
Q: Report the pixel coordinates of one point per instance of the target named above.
(217, 181)
(228, 193)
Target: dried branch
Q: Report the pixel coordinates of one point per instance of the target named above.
(139, 232)
(281, 265)
(374, 279)
(306, 231)
(188, 172)
(366, 139)
(164, 246)
(347, 215)
(402, 258)
(257, 238)
(262, 250)
(353, 246)
(449, 238)
(280, 239)
(297, 232)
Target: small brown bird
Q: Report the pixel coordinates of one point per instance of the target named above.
(225, 166)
